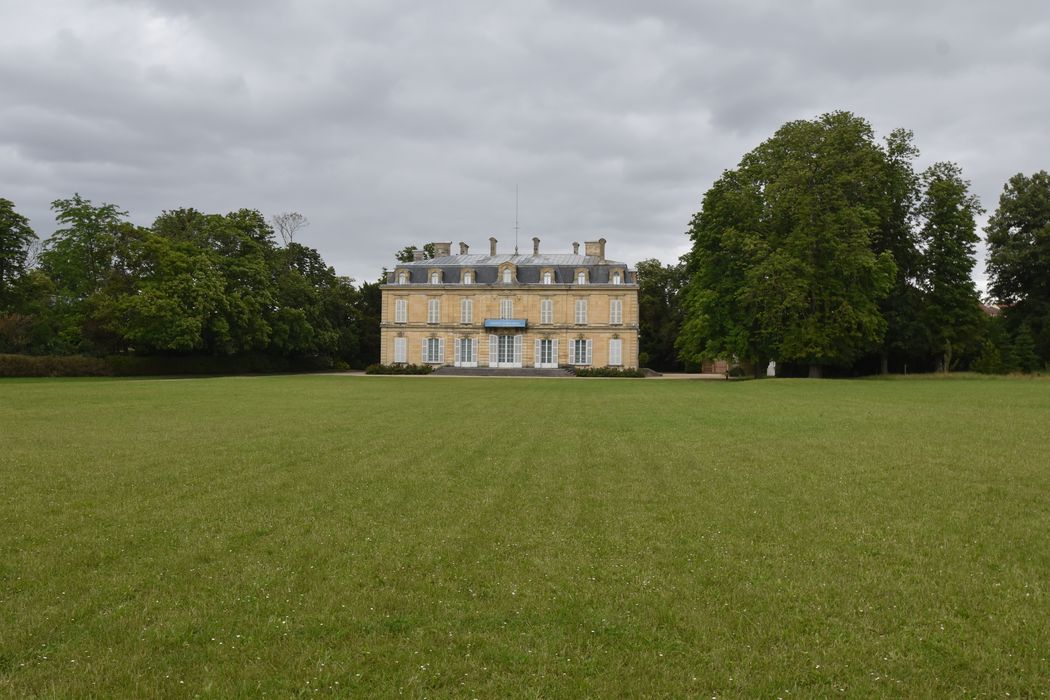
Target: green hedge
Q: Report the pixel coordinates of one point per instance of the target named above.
(134, 365)
(608, 372)
(53, 366)
(398, 369)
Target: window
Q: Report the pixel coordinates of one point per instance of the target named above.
(433, 350)
(466, 311)
(433, 310)
(548, 278)
(546, 311)
(581, 277)
(435, 278)
(402, 278)
(506, 308)
(616, 277)
(401, 311)
(546, 352)
(507, 275)
(615, 312)
(580, 352)
(615, 352)
(468, 278)
(466, 352)
(400, 350)
(581, 311)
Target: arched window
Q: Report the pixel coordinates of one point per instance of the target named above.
(548, 278)
(581, 277)
(506, 275)
(435, 278)
(616, 277)
(467, 278)
(402, 278)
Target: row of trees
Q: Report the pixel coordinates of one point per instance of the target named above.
(825, 248)
(191, 283)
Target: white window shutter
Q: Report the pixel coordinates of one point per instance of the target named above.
(474, 351)
(441, 350)
(555, 351)
(517, 349)
(589, 343)
(457, 355)
(423, 355)
(493, 351)
(536, 351)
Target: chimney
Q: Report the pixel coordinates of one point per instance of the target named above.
(592, 248)
(492, 246)
(601, 249)
(442, 250)
(575, 248)
(417, 255)
(463, 248)
(535, 246)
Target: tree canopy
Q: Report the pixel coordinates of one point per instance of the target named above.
(191, 283)
(782, 264)
(1019, 256)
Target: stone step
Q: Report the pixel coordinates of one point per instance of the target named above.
(500, 372)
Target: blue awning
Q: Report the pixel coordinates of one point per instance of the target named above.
(504, 323)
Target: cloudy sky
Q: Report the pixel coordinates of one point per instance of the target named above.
(391, 123)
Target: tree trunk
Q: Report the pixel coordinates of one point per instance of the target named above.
(884, 367)
(816, 371)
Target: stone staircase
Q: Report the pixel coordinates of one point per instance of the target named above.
(448, 371)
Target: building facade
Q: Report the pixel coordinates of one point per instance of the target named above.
(537, 310)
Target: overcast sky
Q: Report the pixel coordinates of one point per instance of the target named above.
(392, 123)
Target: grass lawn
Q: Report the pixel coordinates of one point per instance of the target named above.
(377, 536)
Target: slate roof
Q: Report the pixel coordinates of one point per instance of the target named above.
(486, 268)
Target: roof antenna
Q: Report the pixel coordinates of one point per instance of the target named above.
(515, 219)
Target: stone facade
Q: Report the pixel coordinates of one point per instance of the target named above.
(511, 310)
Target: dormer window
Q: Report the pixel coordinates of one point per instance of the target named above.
(548, 277)
(468, 277)
(616, 277)
(435, 277)
(507, 275)
(581, 277)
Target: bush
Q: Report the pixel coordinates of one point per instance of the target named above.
(736, 371)
(608, 372)
(398, 369)
(139, 365)
(53, 366)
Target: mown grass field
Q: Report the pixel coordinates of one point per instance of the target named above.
(446, 537)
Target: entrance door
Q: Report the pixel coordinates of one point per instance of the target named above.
(505, 351)
(466, 352)
(547, 353)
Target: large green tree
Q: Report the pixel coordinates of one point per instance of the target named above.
(906, 337)
(16, 240)
(1019, 255)
(952, 312)
(659, 313)
(782, 263)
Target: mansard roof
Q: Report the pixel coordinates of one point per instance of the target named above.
(542, 260)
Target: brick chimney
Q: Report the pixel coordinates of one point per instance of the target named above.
(442, 250)
(492, 246)
(535, 246)
(575, 248)
(417, 255)
(463, 248)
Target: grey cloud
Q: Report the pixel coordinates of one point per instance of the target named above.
(389, 123)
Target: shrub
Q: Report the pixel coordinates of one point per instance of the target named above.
(608, 372)
(53, 366)
(735, 371)
(398, 369)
